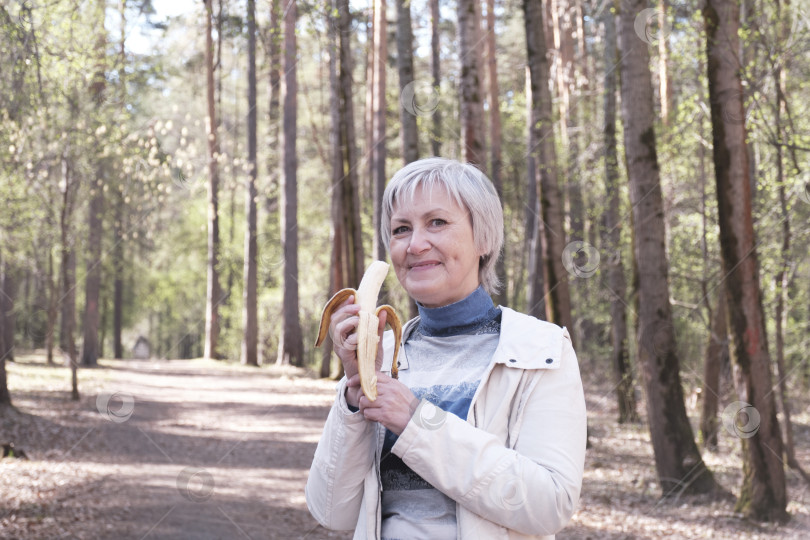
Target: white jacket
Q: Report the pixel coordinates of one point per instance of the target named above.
(514, 467)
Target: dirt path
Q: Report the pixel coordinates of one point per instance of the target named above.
(174, 451)
(193, 450)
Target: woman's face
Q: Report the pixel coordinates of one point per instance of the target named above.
(432, 248)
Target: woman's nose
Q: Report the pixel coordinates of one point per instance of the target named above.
(418, 243)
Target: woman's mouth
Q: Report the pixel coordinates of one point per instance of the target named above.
(424, 265)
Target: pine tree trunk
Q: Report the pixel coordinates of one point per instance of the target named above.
(213, 290)
(350, 185)
(762, 495)
(337, 272)
(472, 108)
(535, 286)
(291, 345)
(118, 278)
(251, 338)
(716, 350)
(410, 139)
(625, 392)
(92, 283)
(8, 315)
(493, 98)
(5, 396)
(95, 210)
(435, 70)
(677, 459)
(558, 299)
(378, 149)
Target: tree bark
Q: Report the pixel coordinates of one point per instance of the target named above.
(92, 283)
(337, 231)
(350, 186)
(378, 149)
(5, 396)
(558, 298)
(291, 345)
(472, 107)
(250, 275)
(493, 98)
(95, 210)
(213, 290)
(435, 70)
(782, 279)
(8, 315)
(118, 278)
(410, 139)
(535, 229)
(716, 351)
(762, 495)
(677, 459)
(617, 284)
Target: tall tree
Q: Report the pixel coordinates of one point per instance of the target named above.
(337, 272)
(493, 100)
(118, 221)
(291, 344)
(558, 296)
(378, 138)
(763, 494)
(713, 361)
(5, 396)
(95, 209)
(435, 70)
(410, 139)
(213, 290)
(250, 315)
(350, 186)
(535, 235)
(617, 285)
(782, 278)
(677, 459)
(472, 106)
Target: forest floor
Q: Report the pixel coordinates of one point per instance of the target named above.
(205, 450)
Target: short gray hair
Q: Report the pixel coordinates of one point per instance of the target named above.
(471, 189)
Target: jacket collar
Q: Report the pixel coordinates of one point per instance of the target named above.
(525, 342)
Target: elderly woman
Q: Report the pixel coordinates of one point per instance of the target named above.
(483, 433)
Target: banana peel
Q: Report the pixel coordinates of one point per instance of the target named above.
(367, 338)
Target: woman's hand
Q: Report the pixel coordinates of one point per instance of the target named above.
(394, 406)
(343, 331)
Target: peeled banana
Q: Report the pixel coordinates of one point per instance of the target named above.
(367, 337)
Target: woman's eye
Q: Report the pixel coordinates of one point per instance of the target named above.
(400, 230)
(438, 222)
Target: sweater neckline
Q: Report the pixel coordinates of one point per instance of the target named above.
(471, 312)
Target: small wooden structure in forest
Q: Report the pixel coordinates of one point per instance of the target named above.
(142, 349)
